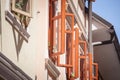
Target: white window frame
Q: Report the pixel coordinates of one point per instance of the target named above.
(29, 14)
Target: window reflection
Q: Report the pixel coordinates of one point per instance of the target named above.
(23, 5)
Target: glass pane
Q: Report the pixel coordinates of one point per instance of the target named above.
(23, 5)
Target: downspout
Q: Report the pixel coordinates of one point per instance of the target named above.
(90, 47)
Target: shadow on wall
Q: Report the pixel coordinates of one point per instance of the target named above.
(18, 42)
(21, 34)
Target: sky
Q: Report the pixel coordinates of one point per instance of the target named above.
(110, 11)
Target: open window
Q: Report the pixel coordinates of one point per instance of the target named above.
(22, 6)
(18, 14)
(22, 9)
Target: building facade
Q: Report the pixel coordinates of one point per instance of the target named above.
(45, 40)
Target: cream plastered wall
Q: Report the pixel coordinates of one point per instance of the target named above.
(30, 57)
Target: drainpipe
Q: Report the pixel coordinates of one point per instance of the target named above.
(90, 48)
